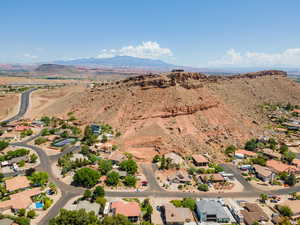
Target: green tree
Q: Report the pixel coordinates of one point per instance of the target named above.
(283, 149)
(86, 177)
(289, 156)
(130, 181)
(129, 166)
(33, 158)
(251, 145)
(189, 203)
(263, 197)
(259, 160)
(21, 212)
(113, 220)
(101, 201)
(40, 140)
(112, 178)
(87, 194)
(156, 159)
(291, 180)
(53, 187)
(230, 150)
(285, 211)
(147, 208)
(31, 214)
(75, 217)
(39, 178)
(98, 192)
(3, 145)
(105, 166)
(203, 187)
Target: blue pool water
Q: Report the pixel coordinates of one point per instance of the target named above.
(39, 205)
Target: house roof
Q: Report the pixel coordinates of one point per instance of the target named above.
(175, 158)
(129, 209)
(200, 158)
(211, 207)
(294, 205)
(20, 200)
(22, 128)
(212, 177)
(245, 152)
(177, 215)
(253, 213)
(16, 183)
(263, 171)
(278, 166)
(88, 206)
(270, 152)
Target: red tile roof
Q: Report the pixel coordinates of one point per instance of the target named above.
(129, 209)
(200, 158)
(245, 152)
(278, 166)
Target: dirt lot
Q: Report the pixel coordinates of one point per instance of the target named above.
(9, 105)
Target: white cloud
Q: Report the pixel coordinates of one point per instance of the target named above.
(288, 57)
(147, 49)
(30, 56)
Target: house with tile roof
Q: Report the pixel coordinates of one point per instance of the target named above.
(131, 210)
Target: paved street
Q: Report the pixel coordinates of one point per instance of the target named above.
(25, 96)
(154, 190)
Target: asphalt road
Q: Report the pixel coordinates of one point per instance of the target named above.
(154, 190)
(25, 96)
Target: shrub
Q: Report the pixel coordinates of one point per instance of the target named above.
(3, 145)
(203, 187)
(40, 140)
(31, 214)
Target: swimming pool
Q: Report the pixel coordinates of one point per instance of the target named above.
(39, 205)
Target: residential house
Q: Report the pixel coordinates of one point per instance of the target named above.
(279, 167)
(121, 173)
(271, 154)
(89, 207)
(116, 157)
(200, 160)
(17, 183)
(129, 209)
(21, 128)
(296, 162)
(253, 213)
(211, 178)
(211, 210)
(176, 215)
(263, 173)
(294, 205)
(293, 144)
(180, 176)
(20, 200)
(176, 159)
(242, 154)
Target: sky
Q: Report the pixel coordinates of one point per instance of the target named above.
(198, 33)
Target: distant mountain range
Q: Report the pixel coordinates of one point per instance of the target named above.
(122, 62)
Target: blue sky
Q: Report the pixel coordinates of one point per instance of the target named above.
(202, 33)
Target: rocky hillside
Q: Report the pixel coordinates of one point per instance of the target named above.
(182, 112)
